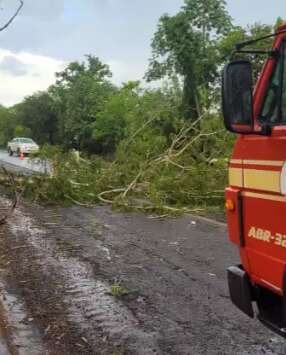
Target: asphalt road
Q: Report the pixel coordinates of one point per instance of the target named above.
(25, 166)
(93, 281)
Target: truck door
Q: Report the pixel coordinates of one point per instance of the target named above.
(264, 185)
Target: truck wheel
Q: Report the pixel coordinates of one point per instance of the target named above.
(18, 152)
(10, 152)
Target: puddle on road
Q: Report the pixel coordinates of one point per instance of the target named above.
(20, 331)
(88, 304)
(3, 345)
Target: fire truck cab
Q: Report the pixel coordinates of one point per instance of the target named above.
(256, 196)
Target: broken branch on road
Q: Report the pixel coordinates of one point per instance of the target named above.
(15, 197)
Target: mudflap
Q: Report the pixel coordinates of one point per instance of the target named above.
(271, 306)
(272, 309)
(240, 289)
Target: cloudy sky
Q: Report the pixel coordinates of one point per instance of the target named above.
(50, 33)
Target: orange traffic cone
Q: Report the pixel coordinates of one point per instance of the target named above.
(21, 155)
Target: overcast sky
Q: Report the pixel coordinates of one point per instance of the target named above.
(50, 33)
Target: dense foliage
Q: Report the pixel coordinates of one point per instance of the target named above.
(187, 44)
(158, 149)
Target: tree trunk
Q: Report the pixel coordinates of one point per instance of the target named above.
(190, 104)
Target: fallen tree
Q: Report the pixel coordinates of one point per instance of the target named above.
(186, 174)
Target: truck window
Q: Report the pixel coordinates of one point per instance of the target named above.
(274, 108)
(271, 105)
(283, 96)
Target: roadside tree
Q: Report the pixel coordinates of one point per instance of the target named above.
(186, 44)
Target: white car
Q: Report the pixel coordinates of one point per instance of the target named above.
(22, 145)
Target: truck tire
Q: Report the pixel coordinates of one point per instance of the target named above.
(10, 152)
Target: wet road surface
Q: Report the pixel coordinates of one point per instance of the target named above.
(26, 166)
(93, 281)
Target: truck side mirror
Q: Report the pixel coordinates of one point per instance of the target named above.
(237, 97)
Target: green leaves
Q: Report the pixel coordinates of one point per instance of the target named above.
(109, 127)
(186, 44)
(238, 34)
(81, 91)
(37, 114)
(8, 122)
(208, 15)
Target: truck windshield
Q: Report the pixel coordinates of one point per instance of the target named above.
(274, 108)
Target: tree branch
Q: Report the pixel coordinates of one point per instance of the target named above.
(13, 17)
(15, 199)
(102, 199)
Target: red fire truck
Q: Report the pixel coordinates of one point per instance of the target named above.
(256, 196)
